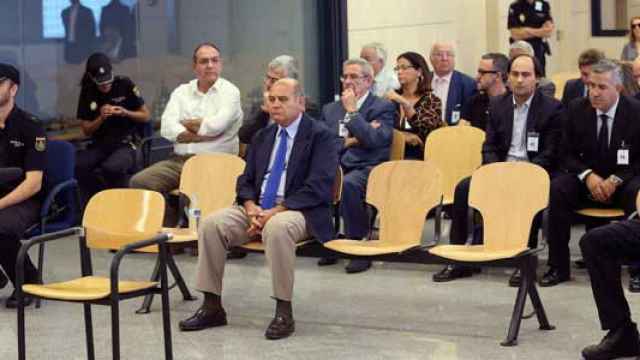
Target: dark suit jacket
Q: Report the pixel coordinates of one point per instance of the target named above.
(544, 117)
(85, 41)
(311, 172)
(573, 89)
(375, 144)
(461, 89)
(581, 144)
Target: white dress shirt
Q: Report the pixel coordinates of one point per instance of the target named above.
(384, 82)
(518, 148)
(440, 86)
(220, 111)
(291, 131)
(611, 115)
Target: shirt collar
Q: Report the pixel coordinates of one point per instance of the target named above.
(362, 99)
(447, 77)
(292, 129)
(194, 87)
(526, 105)
(611, 113)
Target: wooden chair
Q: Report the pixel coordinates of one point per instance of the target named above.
(403, 192)
(508, 195)
(118, 219)
(397, 146)
(457, 152)
(257, 245)
(560, 79)
(207, 181)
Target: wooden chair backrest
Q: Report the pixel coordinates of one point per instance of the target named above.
(560, 79)
(116, 217)
(210, 179)
(397, 146)
(403, 192)
(457, 152)
(508, 195)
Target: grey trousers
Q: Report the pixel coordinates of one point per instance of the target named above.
(228, 228)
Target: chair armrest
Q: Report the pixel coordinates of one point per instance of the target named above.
(22, 253)
(160, 240)
(633, 215)
(51, 196)
(437, 231)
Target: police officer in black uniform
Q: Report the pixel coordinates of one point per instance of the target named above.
(530, 20)
(110, 109)
(22, 145)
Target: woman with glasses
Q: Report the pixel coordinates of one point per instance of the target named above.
(418, 110)
(630, 50)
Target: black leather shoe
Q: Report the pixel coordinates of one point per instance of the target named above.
(516, 278)
(12, 301)
(452, 272)
(203, 319)
(621, 342)
(634, 283)
(357, 265)
(232, 255)
(280, 327)
(553, 278)
(326, 261)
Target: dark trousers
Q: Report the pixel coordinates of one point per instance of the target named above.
(352, 205)
(460, 219)
(103, 167)
(568, 194)
(14, 220)
(603, 249)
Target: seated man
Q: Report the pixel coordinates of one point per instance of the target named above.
(284, 195)
(601, 142)
(385, 79)
(202, 116)
(523, 126)
(363, 128)
(577, 88)
(22, 145)
(491, 82)
(604, 249)
(522, 47)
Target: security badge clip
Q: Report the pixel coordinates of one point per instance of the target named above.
(623, 154)
(342, 130)
(533, 141)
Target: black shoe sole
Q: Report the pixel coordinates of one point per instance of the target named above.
(201, 327)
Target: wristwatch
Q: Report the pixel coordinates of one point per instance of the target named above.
(615, 180)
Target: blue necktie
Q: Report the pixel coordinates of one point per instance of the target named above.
(271, 190)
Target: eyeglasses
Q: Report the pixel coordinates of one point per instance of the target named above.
(441, 54)
(482, 72)
(403, 67)
(352, 77)
(281, 99)
(633, 26)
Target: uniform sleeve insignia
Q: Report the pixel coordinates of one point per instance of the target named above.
(41, 143)
(522, 18)
(93, 106)
(136, 91)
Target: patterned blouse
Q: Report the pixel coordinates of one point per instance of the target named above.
(428, 116)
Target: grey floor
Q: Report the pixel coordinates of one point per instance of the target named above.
(393, 311)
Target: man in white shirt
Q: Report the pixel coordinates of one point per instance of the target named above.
(385, 79)
(202, 116)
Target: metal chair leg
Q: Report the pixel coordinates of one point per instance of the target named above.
(88, 326)
(115, 329)
(536, 302)
(518, 308)
(145, 308)
(21, 331)
(186, 295)
(40, 270)
(166, 321)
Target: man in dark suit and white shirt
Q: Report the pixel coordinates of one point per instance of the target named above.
(284, 195)
(454, 88)
(79, 32)
(601, 142)
(363, 128)
(577, 88)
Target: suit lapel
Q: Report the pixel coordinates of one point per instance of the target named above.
(508, 116)
(452, 96)
(299, 149)
(619, 124)
(532, 113)
(264, 154)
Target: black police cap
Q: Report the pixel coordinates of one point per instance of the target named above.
(9, 72)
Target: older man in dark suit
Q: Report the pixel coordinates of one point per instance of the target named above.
(601, 142)
(284, 194)
(363, 128)
(577, 88)
(523, 126)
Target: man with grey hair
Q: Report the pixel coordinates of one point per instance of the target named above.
(602, 159)
(385, 79)
(454, 88)
(361, 146)
(283, 66)
(520, 47)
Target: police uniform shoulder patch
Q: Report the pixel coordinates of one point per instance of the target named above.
(522, 18)
(136, 91)
(93, 106)
(41, 143)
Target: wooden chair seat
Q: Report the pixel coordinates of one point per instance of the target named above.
(474, 253)
(601, 213)
(367, 248)
(181, 235)
(85, 288)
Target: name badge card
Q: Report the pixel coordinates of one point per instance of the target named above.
(455, 116)
(342, 130)
(532, 141)
(538, 5)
